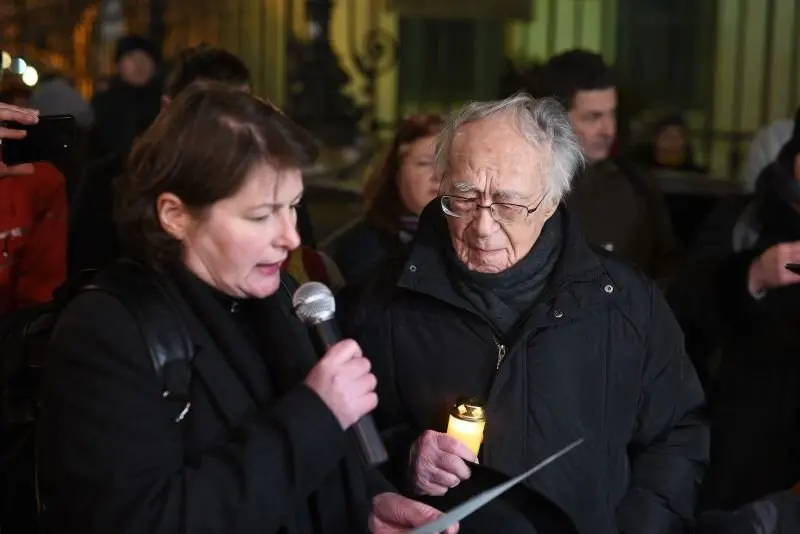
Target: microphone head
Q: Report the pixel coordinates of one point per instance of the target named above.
(314, 303)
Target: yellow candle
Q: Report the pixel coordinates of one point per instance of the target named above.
(467, 420)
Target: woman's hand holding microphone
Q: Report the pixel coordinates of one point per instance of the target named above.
(343, 381)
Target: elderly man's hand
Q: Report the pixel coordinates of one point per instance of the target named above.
(438, 463)
(394, 514)
(22, 116)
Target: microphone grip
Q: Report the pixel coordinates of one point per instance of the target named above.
(370, 444)
(324, 335)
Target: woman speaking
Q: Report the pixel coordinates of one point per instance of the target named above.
(257, 442)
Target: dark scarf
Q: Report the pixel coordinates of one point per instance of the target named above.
(503, 298)
(231, 320)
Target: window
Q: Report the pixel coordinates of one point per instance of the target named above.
(664, 51)
(446, 62)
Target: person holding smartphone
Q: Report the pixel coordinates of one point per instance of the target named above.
(33, 223)
(744, 297)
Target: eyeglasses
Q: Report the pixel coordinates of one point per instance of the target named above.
(460, 207)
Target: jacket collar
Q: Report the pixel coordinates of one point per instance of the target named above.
(238, 374)
(579, 278)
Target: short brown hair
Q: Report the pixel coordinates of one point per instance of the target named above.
(201, 149)
(384, 207)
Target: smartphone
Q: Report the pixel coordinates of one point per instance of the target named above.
(51, 139)
(794, 267)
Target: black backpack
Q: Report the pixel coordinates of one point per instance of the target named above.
(24, 337)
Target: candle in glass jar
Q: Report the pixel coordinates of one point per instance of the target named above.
(467, 420)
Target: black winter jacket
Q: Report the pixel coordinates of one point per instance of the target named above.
(599, 357)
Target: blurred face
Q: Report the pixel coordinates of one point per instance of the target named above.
(491, 162)
(417, 181)
(240, 243)
(671, 140)
(594, 119)
(136, 68)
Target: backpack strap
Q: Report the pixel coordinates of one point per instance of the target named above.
(167, 339)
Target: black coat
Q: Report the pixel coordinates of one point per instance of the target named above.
(122, 113)
(258, 451)
(600, 357)
(755, 398)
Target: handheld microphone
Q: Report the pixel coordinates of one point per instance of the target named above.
(315, 306)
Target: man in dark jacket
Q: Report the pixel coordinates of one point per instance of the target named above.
(502, 299)
(620, 207)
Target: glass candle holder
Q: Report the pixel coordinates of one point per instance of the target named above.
(466, 424)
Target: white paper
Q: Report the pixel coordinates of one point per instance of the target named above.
(482, 499)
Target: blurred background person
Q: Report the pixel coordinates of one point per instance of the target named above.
(397, 190)
(132, 100)
(668, 147)
(743, 301)
(33, 226)
(620, 207)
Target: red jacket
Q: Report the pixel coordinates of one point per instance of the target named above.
(33, 237)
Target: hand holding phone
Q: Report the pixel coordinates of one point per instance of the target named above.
(21, 116)
(51, 139)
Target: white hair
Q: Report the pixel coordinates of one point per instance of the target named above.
(543, 122)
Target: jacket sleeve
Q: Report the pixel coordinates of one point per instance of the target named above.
(669, 447)
(114, 460)
(43, 264)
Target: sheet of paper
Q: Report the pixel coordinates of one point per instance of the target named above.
(465, 509)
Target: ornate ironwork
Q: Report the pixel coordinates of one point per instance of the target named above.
(315, 96)
(380, 54)
(316, 80)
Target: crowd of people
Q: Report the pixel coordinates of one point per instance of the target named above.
(506, 254)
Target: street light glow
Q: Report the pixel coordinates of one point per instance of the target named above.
(18, 65)
(30, 76)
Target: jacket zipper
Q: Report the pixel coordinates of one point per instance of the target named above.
(501, 352)
(501, 348)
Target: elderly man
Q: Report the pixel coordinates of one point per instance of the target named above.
(502, 299)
